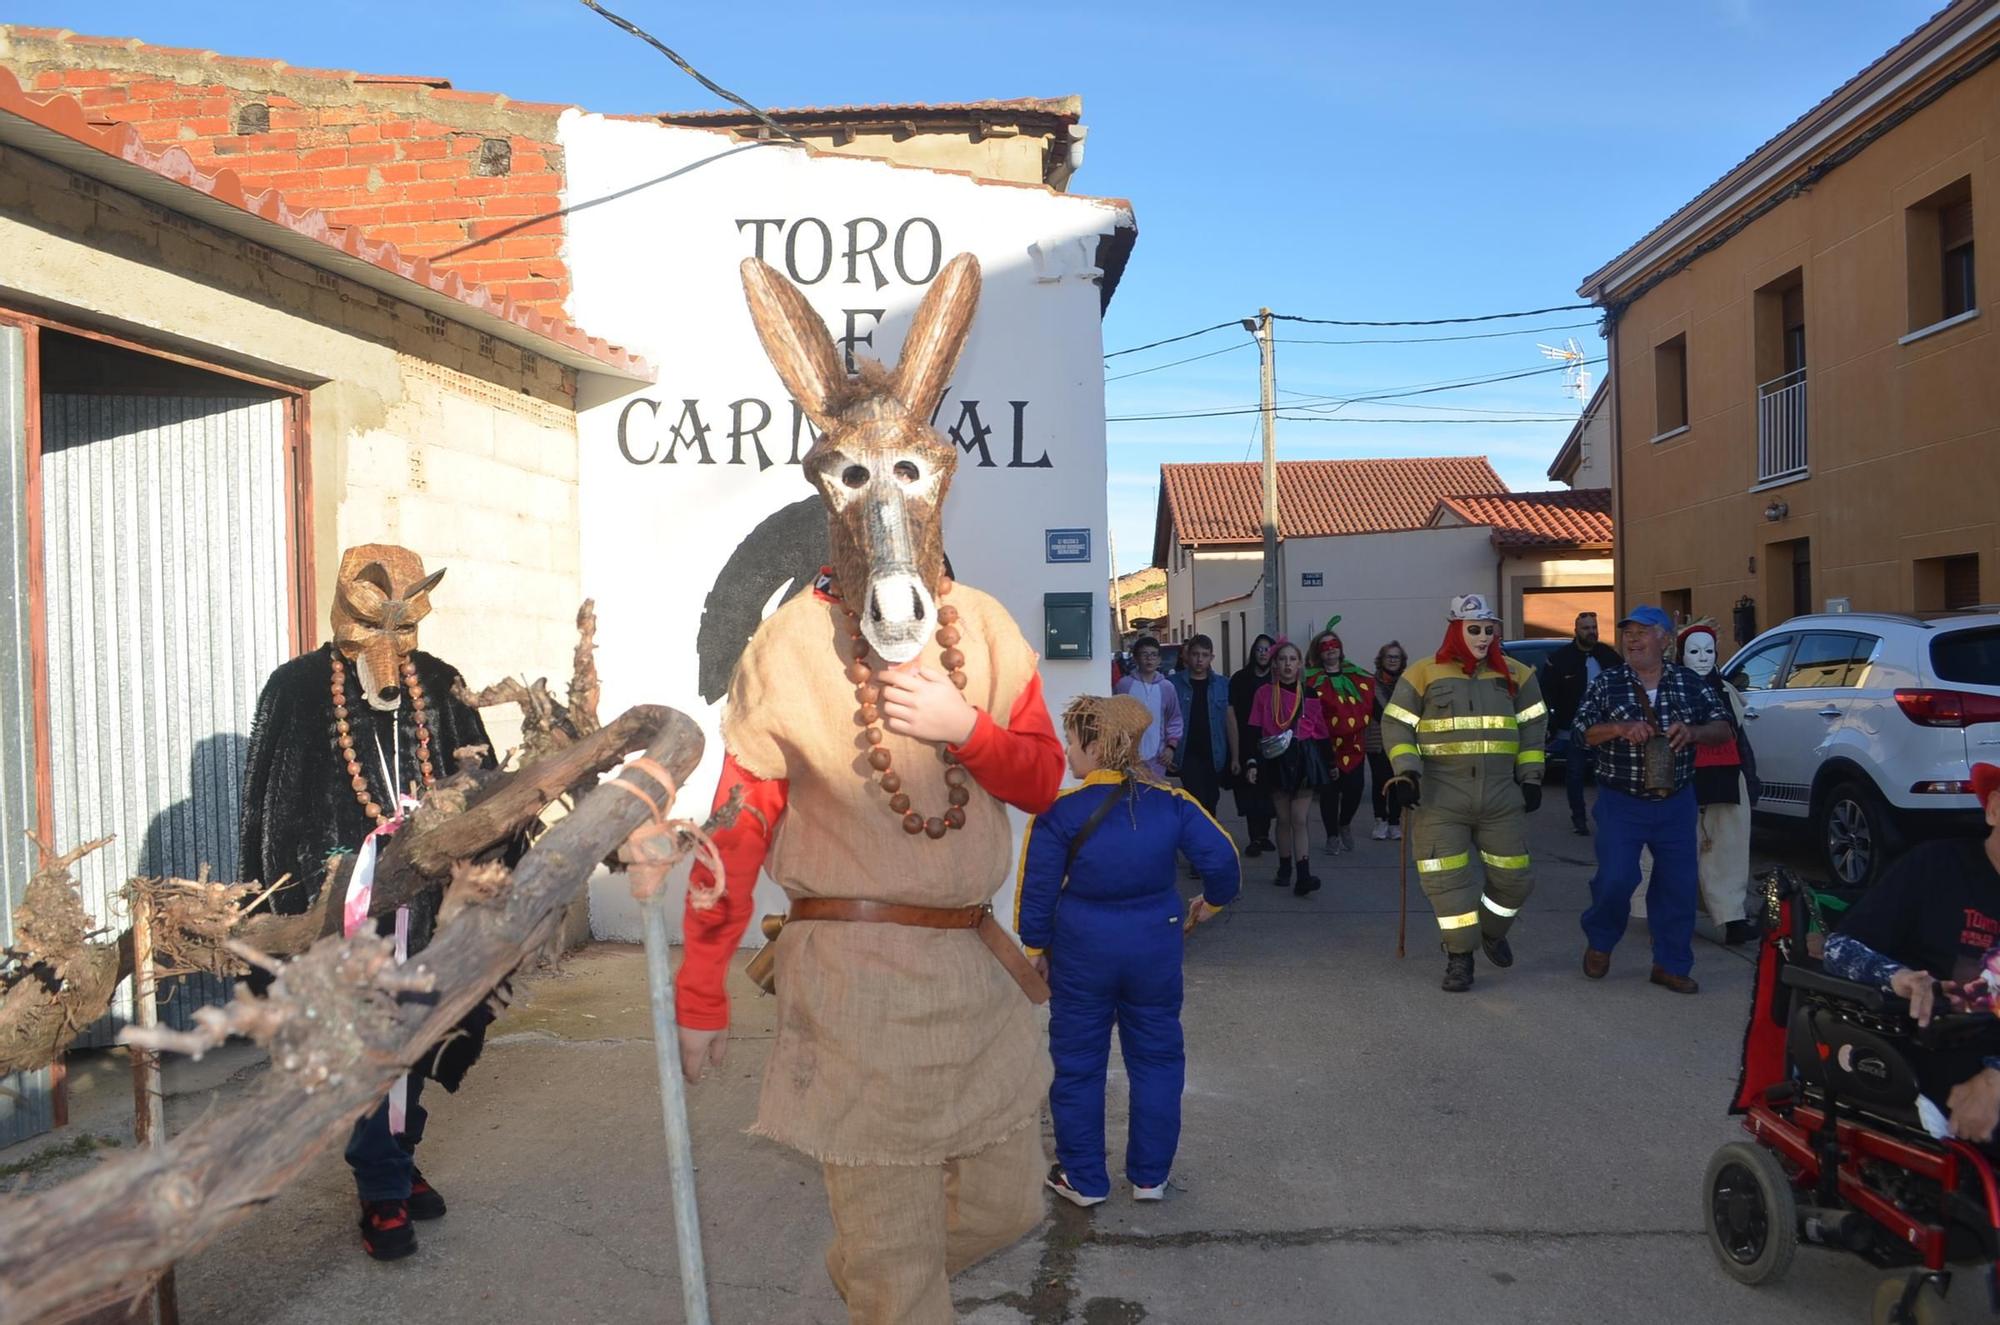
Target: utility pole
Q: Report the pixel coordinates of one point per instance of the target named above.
(1267, 351)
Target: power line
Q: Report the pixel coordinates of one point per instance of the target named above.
(688, 69)
(1329, 418)
(1175, 363)
(1439, 340)
(1429, 322)
(1337, 402)
(1155, 344)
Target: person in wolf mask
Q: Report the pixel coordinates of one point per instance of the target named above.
(1465, 736)
(346, 739)
(877, 728)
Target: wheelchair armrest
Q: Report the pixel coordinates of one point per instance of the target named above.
(1868, 997)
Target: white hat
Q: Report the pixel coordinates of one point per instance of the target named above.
(1472, 607)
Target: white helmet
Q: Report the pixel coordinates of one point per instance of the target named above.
(1472, 607)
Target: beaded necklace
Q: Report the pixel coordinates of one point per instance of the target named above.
(344, 737)
(869, 696)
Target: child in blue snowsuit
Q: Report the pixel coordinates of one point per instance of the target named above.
(1111, 940)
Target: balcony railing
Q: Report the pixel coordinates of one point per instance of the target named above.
(1781, 427)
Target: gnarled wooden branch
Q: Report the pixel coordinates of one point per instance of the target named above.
(136, 1214)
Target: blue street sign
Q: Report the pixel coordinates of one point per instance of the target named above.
(1068, 544)
(1312, 579)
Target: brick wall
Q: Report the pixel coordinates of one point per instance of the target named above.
(468, 180)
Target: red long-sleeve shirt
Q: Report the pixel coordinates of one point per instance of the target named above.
(1020, 763)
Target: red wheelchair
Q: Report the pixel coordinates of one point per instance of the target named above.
(1837, 1154)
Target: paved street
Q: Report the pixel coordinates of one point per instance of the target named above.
(1359, 1147)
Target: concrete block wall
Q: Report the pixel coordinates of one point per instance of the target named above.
(485, 489)
(469, 180)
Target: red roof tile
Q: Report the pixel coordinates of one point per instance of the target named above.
(63, 116)
(1571, 518)
(1224, 502)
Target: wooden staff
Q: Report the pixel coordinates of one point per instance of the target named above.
(149, 1104)
(1403, 883)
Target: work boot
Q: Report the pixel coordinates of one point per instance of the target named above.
(1498, 951)
(386, 1233)
(1457, 972)
(1284, 872)
(1679, 984)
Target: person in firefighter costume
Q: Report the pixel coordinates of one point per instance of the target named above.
(346, 739)
(1464, 735)
(877, 728)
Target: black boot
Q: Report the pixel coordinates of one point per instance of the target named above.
(1457, 972)
(1284, 872)
(1498, 951)
(1307, 883)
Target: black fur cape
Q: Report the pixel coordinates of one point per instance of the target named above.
(300, 810)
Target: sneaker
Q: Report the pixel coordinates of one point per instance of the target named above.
(1381, 830)
(1395, 832)
(1346, 839)
(1158, 1193)
(386, 1233)
(425, 1201)
(1059, 1184)
(1333, 847)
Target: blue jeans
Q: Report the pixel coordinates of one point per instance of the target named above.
(1117, 963)
(381, 1160)
(1626, 823)
(1576, 769)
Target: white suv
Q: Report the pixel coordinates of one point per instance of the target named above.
(1866, 726)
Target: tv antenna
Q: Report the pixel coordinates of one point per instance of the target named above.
(1576, 381)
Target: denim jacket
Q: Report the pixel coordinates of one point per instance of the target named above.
(1218, 716)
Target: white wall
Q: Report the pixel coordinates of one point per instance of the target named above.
(654, 261)
(1386, 586)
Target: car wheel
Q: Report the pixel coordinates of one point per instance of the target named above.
(1856, 835)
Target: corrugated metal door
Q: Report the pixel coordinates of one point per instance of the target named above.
(26, 1107)
(168, 605)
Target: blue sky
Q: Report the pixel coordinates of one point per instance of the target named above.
(1332, 159)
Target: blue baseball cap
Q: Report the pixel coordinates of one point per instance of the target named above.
(1647, 615)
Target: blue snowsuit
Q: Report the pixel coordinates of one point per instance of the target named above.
(1113, 939)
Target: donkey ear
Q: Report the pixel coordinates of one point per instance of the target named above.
(796, 341)
(937, 334)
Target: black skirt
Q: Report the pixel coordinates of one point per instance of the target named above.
(1301, 767)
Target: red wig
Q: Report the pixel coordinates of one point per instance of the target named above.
(1456, 650)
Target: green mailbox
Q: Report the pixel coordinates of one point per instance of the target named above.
(1066, 619)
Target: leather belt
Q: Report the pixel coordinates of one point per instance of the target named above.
(978, 919)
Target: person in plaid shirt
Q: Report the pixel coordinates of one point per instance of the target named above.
(1623, 710)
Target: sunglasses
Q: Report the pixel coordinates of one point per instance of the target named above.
(1481, 628)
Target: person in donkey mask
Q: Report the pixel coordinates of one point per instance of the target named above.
(877, 729)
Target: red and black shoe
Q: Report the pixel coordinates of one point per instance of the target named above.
(386, 1233)
(425, 1201)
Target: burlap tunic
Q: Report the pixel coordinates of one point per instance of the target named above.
(895, 1045)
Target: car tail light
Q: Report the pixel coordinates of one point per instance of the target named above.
(1948, 708)
(1945, 788)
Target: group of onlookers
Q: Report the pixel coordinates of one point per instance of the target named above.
(1290, 731)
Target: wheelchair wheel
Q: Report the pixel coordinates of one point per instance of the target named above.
(1927, 1309)
(1750, 1213)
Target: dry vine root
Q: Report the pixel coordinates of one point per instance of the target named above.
(56, 975)
(548, 725)
(325, 1012)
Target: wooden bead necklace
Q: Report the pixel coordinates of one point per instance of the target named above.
(343, 736)
(869, 696)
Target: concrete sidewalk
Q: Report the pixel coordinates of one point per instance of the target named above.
(1358, 1146)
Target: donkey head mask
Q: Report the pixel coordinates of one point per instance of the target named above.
(878, 464)
(380, 596)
